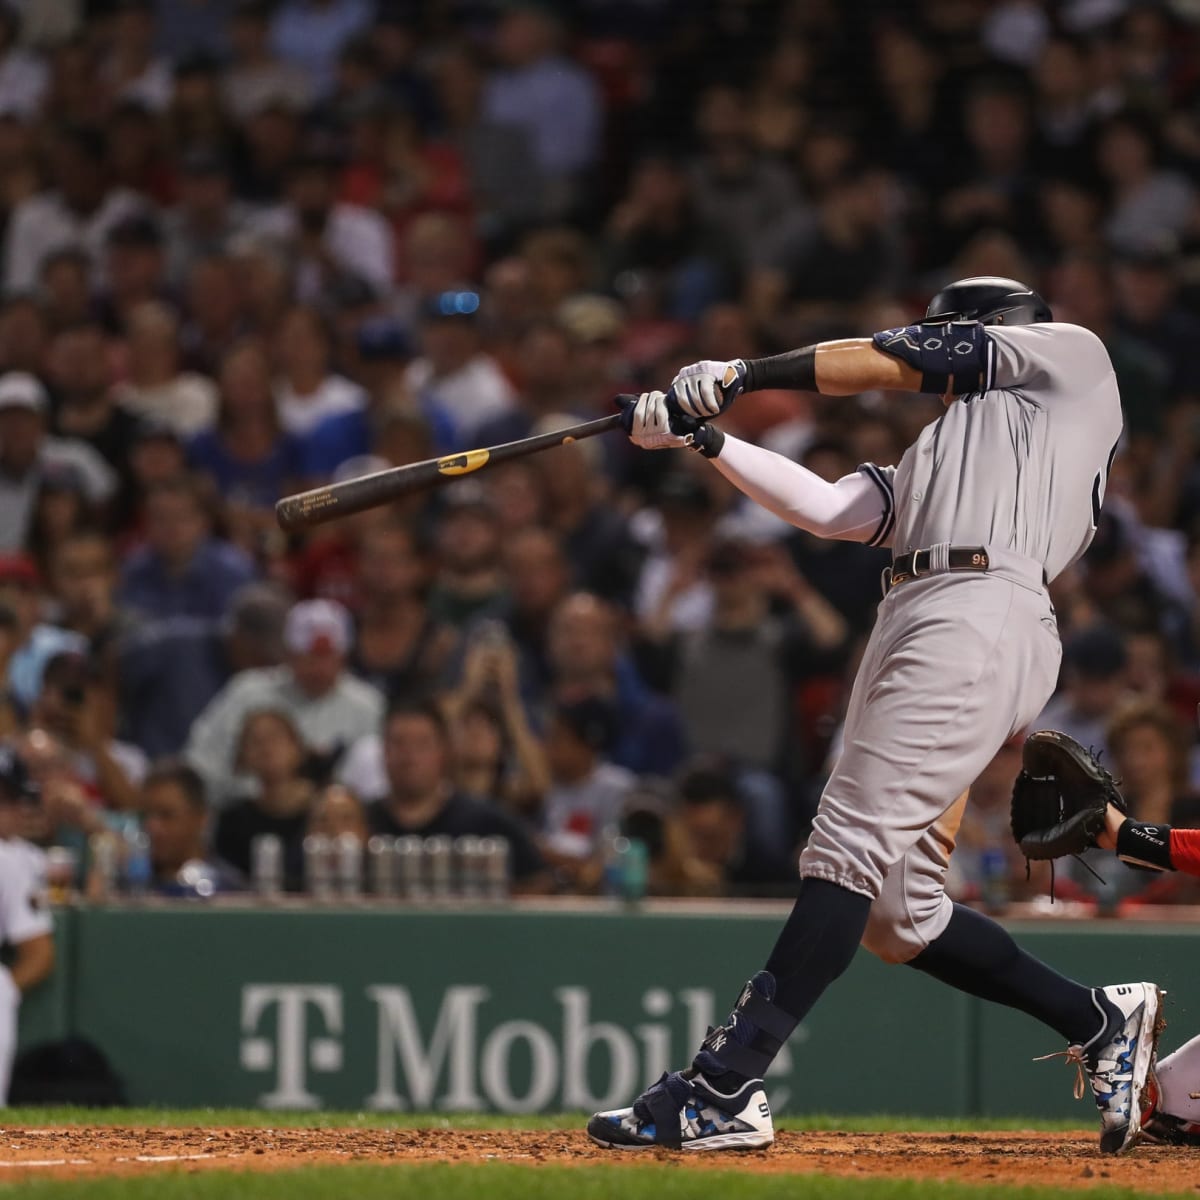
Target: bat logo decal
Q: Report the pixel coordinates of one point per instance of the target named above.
(462, 464)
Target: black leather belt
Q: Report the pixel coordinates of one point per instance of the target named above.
(917, 563)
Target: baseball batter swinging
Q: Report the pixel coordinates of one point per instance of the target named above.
(993, 500)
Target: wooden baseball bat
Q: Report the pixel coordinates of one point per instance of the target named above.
(322, 504)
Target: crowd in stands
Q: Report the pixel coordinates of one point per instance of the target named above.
(248, 247)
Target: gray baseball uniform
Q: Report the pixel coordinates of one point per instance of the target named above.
(959, 662)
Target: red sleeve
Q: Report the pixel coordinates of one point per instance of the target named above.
(1185, 850)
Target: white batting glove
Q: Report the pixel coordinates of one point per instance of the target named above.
(652, 424)
(706, 389)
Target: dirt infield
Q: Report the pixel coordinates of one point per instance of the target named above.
(1059, 1159)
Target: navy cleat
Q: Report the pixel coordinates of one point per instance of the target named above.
(718, 1103)
(683, 1111)
(1117, 1062)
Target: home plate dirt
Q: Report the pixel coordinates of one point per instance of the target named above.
(1052, 1159)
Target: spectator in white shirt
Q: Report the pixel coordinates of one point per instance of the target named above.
(155, 387)
(256, 78)
(325, 237)
(454, 377)
(131, 71)
(79, 210)
(25, 450)
(23, 76)
(329, 706)
(308, 389)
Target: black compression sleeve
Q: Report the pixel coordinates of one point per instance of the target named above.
(797, 370)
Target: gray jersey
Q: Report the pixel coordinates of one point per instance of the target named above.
(1022, 465)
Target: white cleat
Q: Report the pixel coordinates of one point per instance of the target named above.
(682, 1111)
(1118, 1060)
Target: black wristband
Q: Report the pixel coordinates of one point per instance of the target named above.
(797, 370)
(708, 440)
(1142, 845)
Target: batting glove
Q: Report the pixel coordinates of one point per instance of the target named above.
(652, 425)
(708, 388)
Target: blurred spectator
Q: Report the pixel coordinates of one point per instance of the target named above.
(739, 192)
(85, 409)
(23, 76)
(337, 810)
(76, 707)
(734, 677)
(1149, 751)
(587, 792)
(169, 670)
(400, 647)
(24, 334)
(499, 155)
(538, 578)
(131, 71)
(83, 575)
(205, 221)
(256, 77)
(309, 390)
(65, 289)
(326, 238)
(657, 239)
(843, 252)
(60, 509)
(985, 855)
(1148, 200)
(454, 378)
(249, 458)
(540, 90)
(468, 581)
(594, 533)
(271, 752)
(182, 570)
(586, 660)
(28, 641)
(330, 708)
(26, 451)
(79, 210)
(1093, 684)
(155, 387)
(216, 321)
(714, 812)
(311, 34)
(421, 799)
(176, 817)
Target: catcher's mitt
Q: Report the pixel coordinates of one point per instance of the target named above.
(1060, 797)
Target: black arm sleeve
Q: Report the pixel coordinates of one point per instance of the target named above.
(796, 370)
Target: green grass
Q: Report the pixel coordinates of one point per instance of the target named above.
(502, 1181)
(43, 1118)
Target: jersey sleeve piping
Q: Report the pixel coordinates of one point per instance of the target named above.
(888, 520)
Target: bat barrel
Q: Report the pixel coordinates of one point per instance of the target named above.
(315, 507)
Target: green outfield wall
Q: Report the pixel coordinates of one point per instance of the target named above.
(521, 1011)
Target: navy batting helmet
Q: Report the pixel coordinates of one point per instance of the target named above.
(991, 300)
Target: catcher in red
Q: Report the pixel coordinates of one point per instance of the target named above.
(1065, 802)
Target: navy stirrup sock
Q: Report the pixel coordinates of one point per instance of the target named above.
(816, 944)
(976, 955)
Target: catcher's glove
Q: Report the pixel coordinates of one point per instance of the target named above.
(1060, 797)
